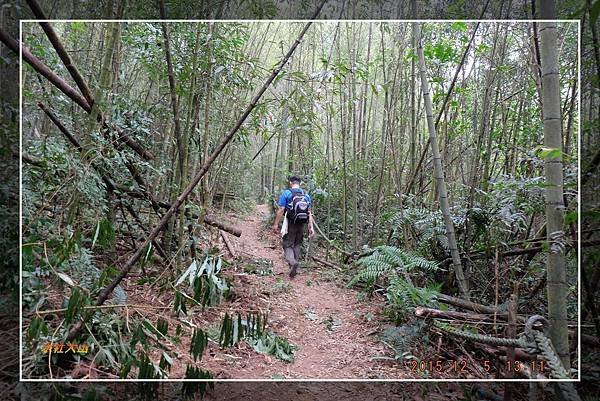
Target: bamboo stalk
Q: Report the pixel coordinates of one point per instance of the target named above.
(439, 172)
(43, 70)
(430, 312)
(324, 262)
(228, 244)
(446, 99)
(68, 90)
(60, 50)
(213, 221)
(557, 286)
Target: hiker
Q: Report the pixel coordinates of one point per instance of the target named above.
(297, 206)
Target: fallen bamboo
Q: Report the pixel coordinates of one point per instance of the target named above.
(330, 241)
(465, 316)
(228, 244)
(30, 159)
(61, 127)
(43, 70)
(68, 90)
(126, 139)
(469, 305)
(105, 293)
(61, 51)
(108, 181)
(106, 178)
(212, 221)
(485, 316)
(324, 262)
(79, 147)
(136, 217)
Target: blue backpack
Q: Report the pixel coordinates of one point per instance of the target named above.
(297, 210)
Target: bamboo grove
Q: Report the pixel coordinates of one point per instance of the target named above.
(442, 159)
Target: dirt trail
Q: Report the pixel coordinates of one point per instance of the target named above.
(333, 330)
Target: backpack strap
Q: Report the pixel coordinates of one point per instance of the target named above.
(294, 192)
(290, 205)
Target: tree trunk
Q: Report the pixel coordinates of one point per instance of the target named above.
(439, 172)
(61, 51)
(205, 192)
(113, 32)
(413, 109)
(557, 284)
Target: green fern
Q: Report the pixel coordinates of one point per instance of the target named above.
(403, 295)
(385, 259)
(428, 225)
(370, 273)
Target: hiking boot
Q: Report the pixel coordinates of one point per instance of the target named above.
(293, 270)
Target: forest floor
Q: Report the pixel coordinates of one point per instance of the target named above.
(335, 333)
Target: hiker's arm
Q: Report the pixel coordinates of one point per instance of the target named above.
(311, 229)
(278, 217)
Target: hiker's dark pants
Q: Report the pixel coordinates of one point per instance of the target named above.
(292, 242)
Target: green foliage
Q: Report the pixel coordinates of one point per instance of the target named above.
(234, 329)
(403, 297)
(442, 51)
(546, 153)
(190, 387)
(405, 339)
(594, 12)
(105, 234)
(571, 217)
(508, 204)
(426, 224)
(109, 345)
(198, 344)
(252, 329)
(147, 369)
(179, 304)
(460, 26)
(271, 344)
(206, 282)
(76, 301)
(37, 327)
(386, 259)
(88, 277)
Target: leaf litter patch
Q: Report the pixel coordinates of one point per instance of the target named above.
(259, 266)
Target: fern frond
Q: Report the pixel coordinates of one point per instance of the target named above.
(403, 295)
(386, 259)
